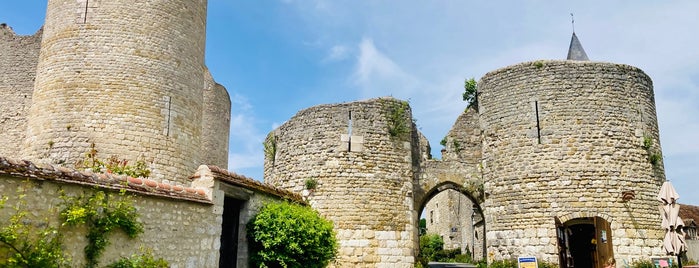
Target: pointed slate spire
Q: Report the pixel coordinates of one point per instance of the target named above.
(576, 51)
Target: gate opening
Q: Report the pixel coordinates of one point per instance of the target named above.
(229, 232)
(584, 242)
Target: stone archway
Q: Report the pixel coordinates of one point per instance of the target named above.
(466, 221)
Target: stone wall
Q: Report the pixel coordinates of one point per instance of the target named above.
(692, 249)
(18, 58)
(364, 175)
(132, 86)
(564, 139)
(182, 224)
(455, 180)
(185, 233)
(216, 122)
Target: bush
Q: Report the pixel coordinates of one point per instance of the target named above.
(430, 244)
(642, 264)
(290, 235)
(144, 260)
(503, 264)
(545, 264)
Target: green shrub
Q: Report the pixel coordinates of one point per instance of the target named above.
(503, 264)
(470, 94)
(642, 264)
(430, 244)
(463, 258)
(290, 235)
(143, 260)
(482, 264)
(545, 264)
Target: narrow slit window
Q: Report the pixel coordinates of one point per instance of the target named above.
(349, 133)
(538, 125)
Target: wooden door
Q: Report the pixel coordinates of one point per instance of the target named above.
(603, 235)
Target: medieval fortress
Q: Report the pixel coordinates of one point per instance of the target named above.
(136, 87)
(557, 153)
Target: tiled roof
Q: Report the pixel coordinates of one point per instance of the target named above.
(689, 212)
(27, 169)
(249, 183)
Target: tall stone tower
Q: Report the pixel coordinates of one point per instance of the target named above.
(127, 76)
(362, 158)
(562, 142)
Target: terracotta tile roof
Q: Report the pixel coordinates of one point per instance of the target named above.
(689, 212)
(27, 169)
(248, 183)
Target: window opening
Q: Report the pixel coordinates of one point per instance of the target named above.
(538, 126)
(349, 133)
(168, 106)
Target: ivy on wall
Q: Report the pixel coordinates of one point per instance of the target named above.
(34, 242)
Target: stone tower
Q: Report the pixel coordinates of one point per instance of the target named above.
(127, 76)
(562, 142)
(362, 158)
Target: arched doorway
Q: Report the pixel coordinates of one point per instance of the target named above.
(584, 242)
(451, 211)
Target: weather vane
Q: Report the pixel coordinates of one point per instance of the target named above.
(572, 21)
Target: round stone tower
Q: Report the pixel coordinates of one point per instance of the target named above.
(124, 75)
(360, 158)
(570, 151)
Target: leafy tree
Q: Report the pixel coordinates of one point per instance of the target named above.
(290, 235)
(470, 94)
(430, 245)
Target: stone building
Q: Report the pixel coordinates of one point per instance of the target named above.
(451, 215)
(135, 87)
(561, 158)
(125, 78)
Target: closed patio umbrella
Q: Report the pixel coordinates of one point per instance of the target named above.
(669, 210)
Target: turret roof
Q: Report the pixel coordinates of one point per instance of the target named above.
(576, 51)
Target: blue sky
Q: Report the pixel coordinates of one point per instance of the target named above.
(277, 57)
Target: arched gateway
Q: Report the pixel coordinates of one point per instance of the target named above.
(547, 158)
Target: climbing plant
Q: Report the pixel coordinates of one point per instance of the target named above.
(270, 147)
(26, 243)
(398, 122)
(101, 213)
(654, 156)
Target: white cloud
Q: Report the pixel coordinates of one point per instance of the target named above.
(377, 75)
(337, 53)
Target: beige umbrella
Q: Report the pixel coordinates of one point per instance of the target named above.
(674, 236)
